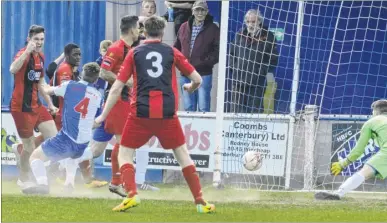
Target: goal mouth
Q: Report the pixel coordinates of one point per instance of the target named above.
(326, 70)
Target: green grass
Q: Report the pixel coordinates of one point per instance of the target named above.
(174, 205)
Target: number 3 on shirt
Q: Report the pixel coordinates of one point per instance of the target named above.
(82, 106)
(155, 64)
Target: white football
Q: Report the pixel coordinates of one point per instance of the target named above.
(252, 160)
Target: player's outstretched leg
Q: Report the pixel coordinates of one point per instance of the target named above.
(38, 168)
(125, 159)
(71, 166)
(189, 171)
(350, 184)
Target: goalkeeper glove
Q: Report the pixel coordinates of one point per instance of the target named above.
(337, 167)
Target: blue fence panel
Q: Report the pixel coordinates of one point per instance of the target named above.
(82, 23)
(357, 72)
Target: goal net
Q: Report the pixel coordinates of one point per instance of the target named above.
(297, 90)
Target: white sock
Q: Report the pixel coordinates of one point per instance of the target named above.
(71, 170)
(350, 184)
(62, 164)
(87, 155)
(39, 171)
(142, 158)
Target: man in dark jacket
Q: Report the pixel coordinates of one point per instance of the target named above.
(198, 40)
(253, 54)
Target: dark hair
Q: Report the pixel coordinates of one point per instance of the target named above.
(90, 72)
(380, 106)
(35, 29)
(69, 47)
(127, 23)
(154, 26)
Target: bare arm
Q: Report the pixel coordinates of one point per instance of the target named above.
(107, 75)
(129, 83)
(45, 92)
(196, 80)
(47, 89)
(18, 63)
(111, 77)
(114, 94)
(59, 59)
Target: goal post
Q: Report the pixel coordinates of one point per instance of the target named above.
(321, 46)
(289, 118)
(220, 93)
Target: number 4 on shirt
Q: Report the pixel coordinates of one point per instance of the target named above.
(82, 106)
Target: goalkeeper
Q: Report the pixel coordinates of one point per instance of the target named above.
(375, 128)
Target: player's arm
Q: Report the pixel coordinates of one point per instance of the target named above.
(187, 70)
(107, 75)
(123, 76)
(53, 65)
(365, 136)
(42, 89)
(98, 113)
(21, 58)
(109, 61)
(59, 90)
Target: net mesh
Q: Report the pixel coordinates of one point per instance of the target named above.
(342, 70)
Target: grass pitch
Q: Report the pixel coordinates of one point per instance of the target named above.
(174, 204)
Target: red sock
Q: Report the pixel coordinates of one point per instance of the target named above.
(116, 177)
(193, 181)
(128, 177)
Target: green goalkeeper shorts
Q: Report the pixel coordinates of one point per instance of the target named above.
(379, 163)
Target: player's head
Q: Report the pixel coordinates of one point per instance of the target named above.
(36, 35)
(90, 72)
(200, 10)
(379, 107)
(130, 27)
(104, 45)
(154, 27)
(148, 8)
(253, 20)
(72, 54)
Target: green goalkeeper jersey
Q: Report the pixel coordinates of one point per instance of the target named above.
(376, 129)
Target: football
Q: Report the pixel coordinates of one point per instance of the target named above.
(252, 160)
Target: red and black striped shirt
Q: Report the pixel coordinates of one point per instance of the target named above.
(155, 88)
(25, 93)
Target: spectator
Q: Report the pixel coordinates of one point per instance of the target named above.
(148, 9)
(198, 40)
(252, 56)
(181, 12)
